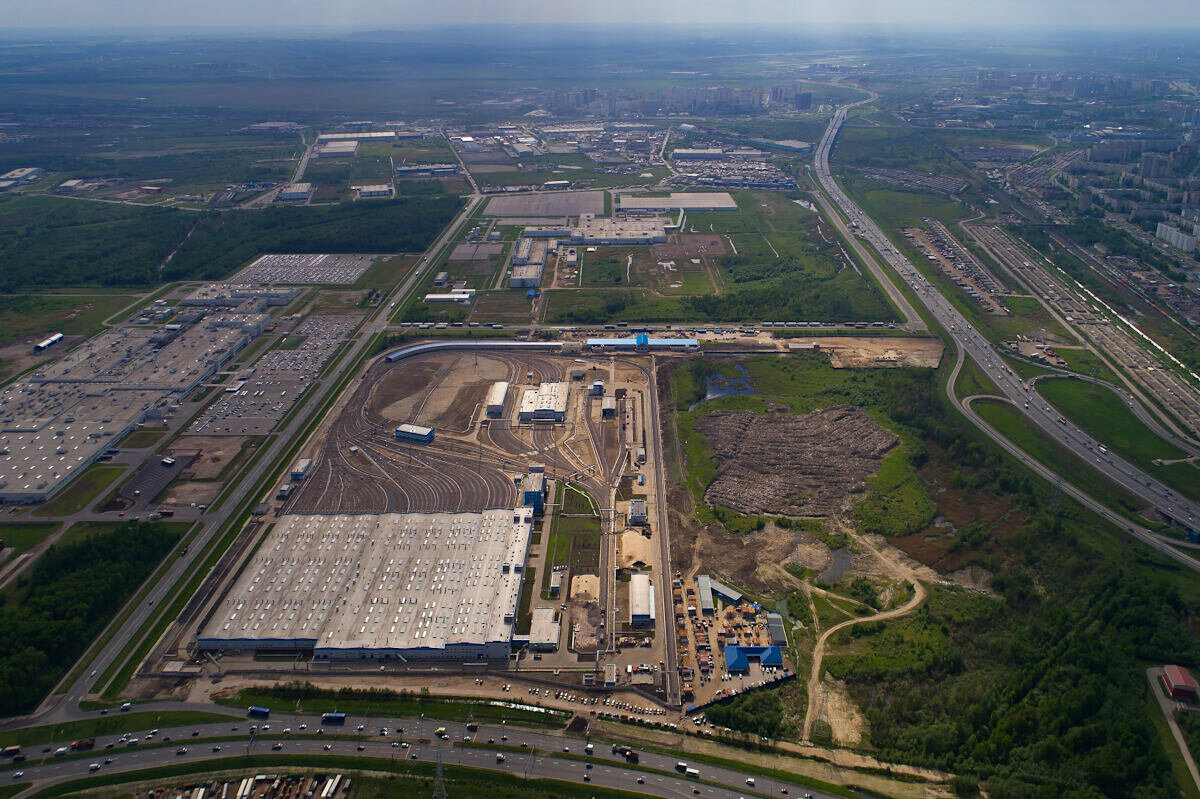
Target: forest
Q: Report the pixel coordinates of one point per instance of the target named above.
(73, 590)
(1040, 692)
(49, 242)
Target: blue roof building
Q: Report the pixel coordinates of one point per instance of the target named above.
(737, 658)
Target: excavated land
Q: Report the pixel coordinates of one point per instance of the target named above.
(788, 465)
(689, 245)
(875, 352)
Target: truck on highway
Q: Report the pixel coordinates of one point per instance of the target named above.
(627, 753)
(83, 743)
(692, 773)
(256, 712)
(333, 718)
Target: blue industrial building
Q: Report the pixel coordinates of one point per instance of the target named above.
(737, 658)
(533, 492)
(415, 432)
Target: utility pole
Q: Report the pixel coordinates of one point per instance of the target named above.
(439, 781)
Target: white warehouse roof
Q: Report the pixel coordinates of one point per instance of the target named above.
(678, 201)
(395, 582)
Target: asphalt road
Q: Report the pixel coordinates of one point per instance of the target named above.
(544, 755)
(1037, 411)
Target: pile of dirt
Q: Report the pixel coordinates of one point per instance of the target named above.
(806, 465)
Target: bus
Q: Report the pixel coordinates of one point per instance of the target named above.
(254, 711)
(333, 718)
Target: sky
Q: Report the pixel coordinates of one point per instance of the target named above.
(1063, 15)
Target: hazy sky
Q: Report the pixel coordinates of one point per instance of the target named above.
(1061, 14)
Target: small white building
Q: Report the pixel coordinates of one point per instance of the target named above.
(641, 600)
(295, 192)
(496, 397)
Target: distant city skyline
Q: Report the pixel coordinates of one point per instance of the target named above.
(1063, 15)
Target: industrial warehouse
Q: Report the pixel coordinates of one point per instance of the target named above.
(392, 586)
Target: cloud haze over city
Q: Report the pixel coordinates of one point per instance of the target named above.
(1063, 14)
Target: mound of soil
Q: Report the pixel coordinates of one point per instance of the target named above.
(806, 465)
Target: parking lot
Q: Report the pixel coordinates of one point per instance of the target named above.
(255, 401)
(298, 268)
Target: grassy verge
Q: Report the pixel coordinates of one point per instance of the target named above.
(390, 703)
(1104, 416)
(1009, 422)
(80, 493)
(1187, 786)
(104, 725)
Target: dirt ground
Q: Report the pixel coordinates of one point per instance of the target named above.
(808, 465)
(459, 381)
(198, 492)
(850, 352)
(689, 245)
(959, 509)
(835, 706)
(215, 454)
(19, 356)
(585, 588)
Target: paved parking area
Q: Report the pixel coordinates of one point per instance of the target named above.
(254, 403)
(297, 268)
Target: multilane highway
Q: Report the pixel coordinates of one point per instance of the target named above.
(971, 344)
(537, 754)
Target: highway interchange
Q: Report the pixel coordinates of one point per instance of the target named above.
(970, 343)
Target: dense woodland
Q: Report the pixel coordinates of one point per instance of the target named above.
(1037, 690)
(48, 242)
(73, 590)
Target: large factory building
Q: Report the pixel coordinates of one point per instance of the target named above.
(411, 586)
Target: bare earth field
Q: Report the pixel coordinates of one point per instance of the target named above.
(215, 454)
(792, 465)
(850, 352)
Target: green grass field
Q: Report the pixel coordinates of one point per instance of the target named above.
(1105, 417)
(1009, 422)
(30, 316)
(385, 273)
(142, 438)
(23, 536)
(81, 491)
(1086, 362)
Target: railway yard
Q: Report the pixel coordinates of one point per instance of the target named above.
(1095, 323)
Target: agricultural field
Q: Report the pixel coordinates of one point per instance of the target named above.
(968, 518)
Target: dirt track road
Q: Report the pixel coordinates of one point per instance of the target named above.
(814, 678)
